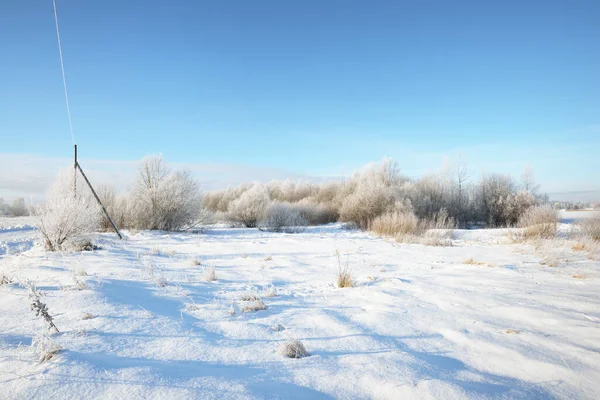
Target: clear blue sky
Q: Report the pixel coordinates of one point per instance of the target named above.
(314, 87)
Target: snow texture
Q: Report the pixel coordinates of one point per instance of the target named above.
(419, 322)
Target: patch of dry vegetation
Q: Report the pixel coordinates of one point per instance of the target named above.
(210, 273)
(539, 222)
(472, 261)
(256, 305)
(292, 349)
(591, 227)
(344, 278)
(5, 279)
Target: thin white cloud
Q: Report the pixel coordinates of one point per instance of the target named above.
(30, 175)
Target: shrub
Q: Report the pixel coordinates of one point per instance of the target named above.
(66, 216)
(281, 217)
(163, 199)
(292, 349)
(368, 201)
(539, 222)
(250, 207)
(316, 214)
(591, 227)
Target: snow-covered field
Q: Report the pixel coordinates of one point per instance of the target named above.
(420, 322)
(16, 234)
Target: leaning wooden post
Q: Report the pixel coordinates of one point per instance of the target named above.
(77, 166)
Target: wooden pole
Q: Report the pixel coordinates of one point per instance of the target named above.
(98, 200)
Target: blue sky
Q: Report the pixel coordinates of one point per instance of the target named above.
(314, 88)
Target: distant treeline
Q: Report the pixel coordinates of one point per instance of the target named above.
(16, 209)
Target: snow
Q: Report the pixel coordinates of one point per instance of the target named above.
(419, 322)
(16, 234)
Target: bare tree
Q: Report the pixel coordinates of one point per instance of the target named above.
(528, 180)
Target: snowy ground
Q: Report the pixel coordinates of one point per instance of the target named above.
(419, 323)
(16, 235)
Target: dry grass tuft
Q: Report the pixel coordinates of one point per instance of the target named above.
(256, 305)
(270, 292)
(249, 297)
(161, 281)
(79, 272)
(579, 246)
(344, 279)
(5, 279)
(395, 224)
(472, 261)
(156, 251)
(86, 316)
(192, 307)
(292, 349)
(210, 273)
(45, 348)
(195, 262)
(549, 261)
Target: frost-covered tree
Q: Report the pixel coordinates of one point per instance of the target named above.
(66, 216)
(164, 199)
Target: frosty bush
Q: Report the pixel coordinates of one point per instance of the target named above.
(494, 200)
(502, 204)
(281, 217)
(539, 222)
(66, 216)
(368, 201)
(250, 207)
(163, 199)
(316, 214)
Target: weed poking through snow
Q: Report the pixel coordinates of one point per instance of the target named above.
(249, 297)
(86, 316)
(40, 309)
(344, 279)
(256, 305)
(270, 292)
(472, 261)
(292, 349)
(5, 279)
(210, 274)
(161, 281)
(45, 347)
